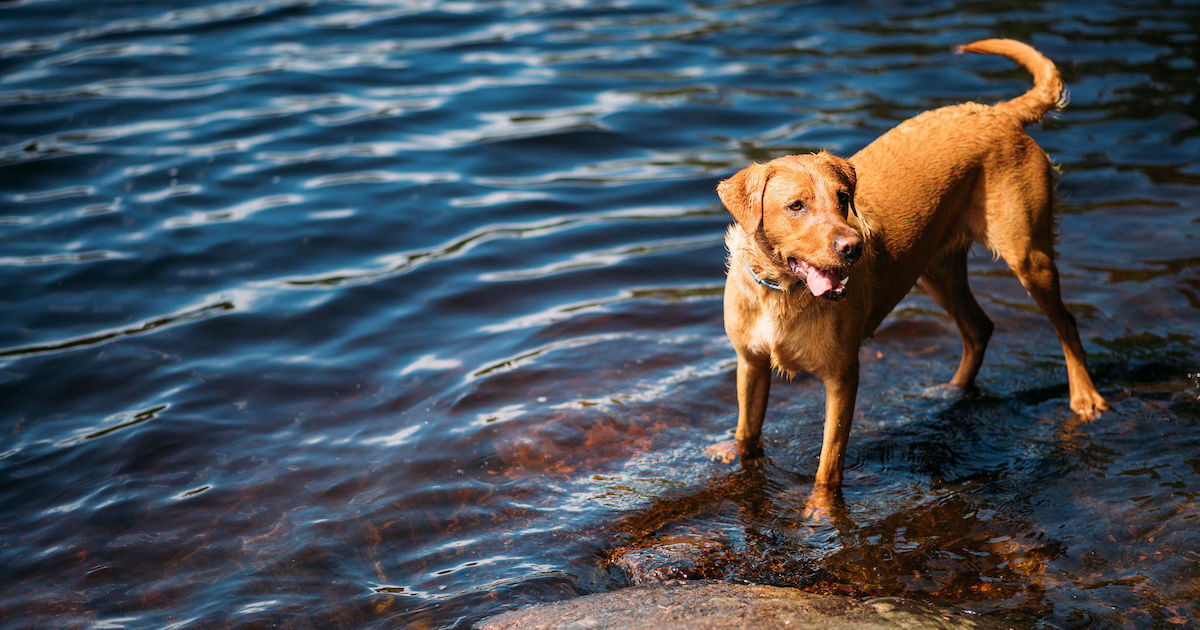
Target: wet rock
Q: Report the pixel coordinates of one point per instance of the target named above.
(718, 606)
(679, 557)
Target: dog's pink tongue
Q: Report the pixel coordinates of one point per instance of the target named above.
(819, 281)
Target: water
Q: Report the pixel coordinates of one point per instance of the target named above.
(374, 315)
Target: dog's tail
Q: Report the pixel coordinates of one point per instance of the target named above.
(1047, 92)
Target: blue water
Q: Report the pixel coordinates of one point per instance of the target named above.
(373, 315)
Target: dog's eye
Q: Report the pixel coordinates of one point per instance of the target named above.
(797, 206)
(843, 198)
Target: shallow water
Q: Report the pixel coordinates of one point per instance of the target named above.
(362, 314)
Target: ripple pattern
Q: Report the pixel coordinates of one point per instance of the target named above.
(350, 314)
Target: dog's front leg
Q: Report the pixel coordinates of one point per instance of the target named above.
(753, 389)
(841, 387)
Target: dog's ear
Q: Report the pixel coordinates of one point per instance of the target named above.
(848, 175)
(846, 170)
(742, 195)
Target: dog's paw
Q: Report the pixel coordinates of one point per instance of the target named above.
(824, 504)
(731, 451)
(725, 452)
(1088, 405)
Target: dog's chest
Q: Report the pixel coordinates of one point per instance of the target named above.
(795, 342)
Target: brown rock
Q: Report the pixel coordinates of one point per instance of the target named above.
(718, 606)
(681, 557)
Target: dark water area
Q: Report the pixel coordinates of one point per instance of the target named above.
(355, 314)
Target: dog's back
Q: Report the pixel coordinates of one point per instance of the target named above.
(924, 184)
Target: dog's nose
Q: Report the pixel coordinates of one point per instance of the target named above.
(848, 247)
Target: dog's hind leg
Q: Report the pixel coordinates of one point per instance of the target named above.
(945, 280)
(1038, 273)
(1021, 230)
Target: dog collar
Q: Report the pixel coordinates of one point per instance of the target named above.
(770, 284)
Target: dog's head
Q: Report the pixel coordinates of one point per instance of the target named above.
(796, 208)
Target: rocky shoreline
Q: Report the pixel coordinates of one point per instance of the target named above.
(719, 605)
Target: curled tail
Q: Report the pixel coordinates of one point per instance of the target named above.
(1047, 92)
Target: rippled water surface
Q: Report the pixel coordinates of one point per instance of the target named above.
(401, 314)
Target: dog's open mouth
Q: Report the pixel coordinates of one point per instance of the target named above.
(827, 283)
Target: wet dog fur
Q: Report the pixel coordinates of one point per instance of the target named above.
(823, 249)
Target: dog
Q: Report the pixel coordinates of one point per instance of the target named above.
(824, 248)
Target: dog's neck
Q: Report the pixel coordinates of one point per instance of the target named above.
(770, 284)
(758, 268)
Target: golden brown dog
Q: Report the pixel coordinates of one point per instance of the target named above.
(825, 247)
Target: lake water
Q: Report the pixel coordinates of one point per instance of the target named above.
(359, 314)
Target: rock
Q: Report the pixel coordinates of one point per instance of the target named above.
(681, 557)
(717, 606)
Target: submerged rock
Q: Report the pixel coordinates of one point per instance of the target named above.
(718, 606)
(681, 557)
